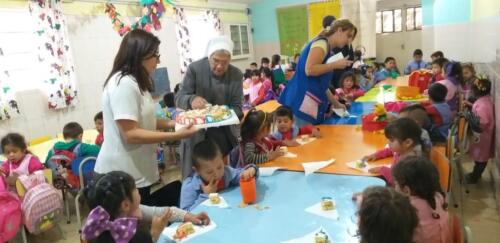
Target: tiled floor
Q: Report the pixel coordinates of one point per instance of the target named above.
(479, 213)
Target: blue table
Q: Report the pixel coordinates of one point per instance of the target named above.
(287, 194)
(357, 109)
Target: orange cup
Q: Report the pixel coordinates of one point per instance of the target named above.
(248, 190)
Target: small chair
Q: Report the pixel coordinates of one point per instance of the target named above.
(39, 140)
(460, 232)
(82, 187)
(443, 166)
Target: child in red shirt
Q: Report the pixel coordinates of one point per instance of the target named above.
(287, 131)
(99, 126)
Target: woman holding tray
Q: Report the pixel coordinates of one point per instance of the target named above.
(211, 80)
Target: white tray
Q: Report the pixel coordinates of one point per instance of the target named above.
(231, 121)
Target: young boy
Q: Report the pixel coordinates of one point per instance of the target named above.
(437, 55)
(210, 175)
(389, 71)
(417, 62)
(99, 126)
(264, 63)
(439, 112)
(437, 69)
(253, 66)
(419, 115)
(287, 131)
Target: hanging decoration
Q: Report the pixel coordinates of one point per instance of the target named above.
(56, 68)
(211, 17)
(8, 103)
(183, 39)
(152, 11)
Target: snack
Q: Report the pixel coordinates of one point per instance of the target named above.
(284, 149)
(305, 138)
(327, 204)
(361, 164)
(184, 230)
(214, 198)
(321, 237)
(209, 114)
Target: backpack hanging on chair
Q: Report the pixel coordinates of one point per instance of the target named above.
(61, 165)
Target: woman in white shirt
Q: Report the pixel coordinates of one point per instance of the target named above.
(131, 133)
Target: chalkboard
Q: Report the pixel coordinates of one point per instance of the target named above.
(293, 29)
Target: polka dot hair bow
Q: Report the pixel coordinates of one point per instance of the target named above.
(121, 229)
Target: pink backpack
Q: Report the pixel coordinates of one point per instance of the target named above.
(42, 204)
(10, 213)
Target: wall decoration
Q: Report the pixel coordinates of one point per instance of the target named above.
(293, 29)
(211, 17)
(8, 103)
(183, 39)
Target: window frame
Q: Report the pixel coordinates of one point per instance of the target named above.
(393, 21)
(240, 43)
(415, 28)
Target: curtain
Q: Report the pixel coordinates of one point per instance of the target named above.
(183, 39)
(211, 17)
(8, 103)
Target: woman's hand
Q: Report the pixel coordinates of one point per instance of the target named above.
(198, 103)
(187, 132)
(342, 63)
(197, 219)
(159, 223)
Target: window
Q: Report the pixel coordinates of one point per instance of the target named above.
(414, 18)
(388, 21)
(200, 33)
(239, 35)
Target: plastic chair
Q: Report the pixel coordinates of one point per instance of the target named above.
(443, 166)
(39, 140)
(82, 186)
(460, 233)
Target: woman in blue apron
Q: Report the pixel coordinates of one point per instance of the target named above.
(308, 93)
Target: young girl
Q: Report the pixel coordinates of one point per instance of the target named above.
(418, 178)
(453, 78)
(437, 69)
(404, 136)
(115, 201)
(19, 160)
(469, 75)
(278, 73)
(390, 70)
(349, 89)
(254, 87)
(255, 129)
(266, 92)
(483, 108)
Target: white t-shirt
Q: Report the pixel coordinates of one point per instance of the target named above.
(122, 100)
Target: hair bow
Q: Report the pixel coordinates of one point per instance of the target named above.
(121, 229)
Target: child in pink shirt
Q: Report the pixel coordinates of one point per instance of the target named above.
(418, 178)
(349, 89)
(254, 87)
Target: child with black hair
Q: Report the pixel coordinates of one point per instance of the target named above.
(265, 93)
(210, 175)
(169, 100)
(254, 87)
(264, 63)
(390, 70)
(349, 89)
(366, 81)
(453, 79)
(417, 63)
(279, 80)
(437, 69)
(484, 149)
(436, 55)
(253, 66)
(404, 140)
(114, 200)
(469, 74)
(439, 112)
(99, 126)
(417, 113)
(358, 60)
(255, 129)
(287, 130)
(386, 216)
(19, 161)
(418, 179)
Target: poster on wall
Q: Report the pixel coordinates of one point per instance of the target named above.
(293, 29)
(317, 11)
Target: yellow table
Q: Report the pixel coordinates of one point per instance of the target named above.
(269, 106)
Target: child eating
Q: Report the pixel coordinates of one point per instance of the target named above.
(288, 131)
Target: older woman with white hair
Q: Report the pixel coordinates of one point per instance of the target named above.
(211, 80)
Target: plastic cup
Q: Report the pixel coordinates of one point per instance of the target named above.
(248, 190)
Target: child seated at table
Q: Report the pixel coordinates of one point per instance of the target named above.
(437, 69)
(287, 130)
(266, 92)
(386, 216)
(404, 140)
(390, 70)
(99, 126)
(210, 175)
(114, 200)
(256, 146)
(418, 179)
(419, 115)
(366, 80)
(349, 89)
(439, 112)
(19, 160)
(254, 87)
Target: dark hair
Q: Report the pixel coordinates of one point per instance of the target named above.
(253, 123)
(440, 61)
(284, 111)
(169, 99)
(418, 52)
(437, 54)
(376, 65)
(72, 130)
(388, 59)
(14, 139)
(402, 129)
(253, 64)
(255, 73)
(98, 116)
(416, 112)
(328, 20)
(357, 55)
(481, 87)
(264, 60)
(421, 176)
(275, 60)
(136, 46)
(177, 88)
(386, 216)
(453, 72)
(437, 92)
(247, 74)
(109, 191)
(347, 75)
(268, 74)
(205, 150)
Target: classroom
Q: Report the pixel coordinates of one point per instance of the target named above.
(249, 121)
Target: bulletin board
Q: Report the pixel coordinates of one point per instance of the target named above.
(293, 28)
(317, 11)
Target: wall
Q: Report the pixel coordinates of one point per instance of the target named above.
(94, 45)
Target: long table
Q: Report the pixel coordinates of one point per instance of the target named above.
(385, 91)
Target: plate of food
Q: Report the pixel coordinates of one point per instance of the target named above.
(210, 116)
(360, 165)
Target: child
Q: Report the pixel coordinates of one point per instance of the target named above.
(19, 160)
(114, 200)
(386, 216)
(437, 55)
(278, 73)
(419, 115)
(417, 63)
(418, 179)
(254, 87)
(253, 66)
(99, 126)
(264, 63)
(439, 112)
(254, 130)
(469, 75)
(389, 71)
(358, 60)
(404, 140)
(287, 131)
(437, 69)
(168, 99)
(349, 89)
(210, 175)
(453, 78)
(483, 108)
(266, 92)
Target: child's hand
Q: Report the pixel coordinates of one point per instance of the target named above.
(211, 187)
(159, 223)
(2, 171)
(11, 180)
(188, 131)
(291, 143)
(197, 219)
(370, 157)
(248, 173)
(316, 133)
(375, 170)
(275, 154)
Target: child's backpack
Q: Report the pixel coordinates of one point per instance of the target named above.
(61, 165)
(421, 79)
(42, 204)
(10, 213)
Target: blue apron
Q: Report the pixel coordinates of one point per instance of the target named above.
(306, 96)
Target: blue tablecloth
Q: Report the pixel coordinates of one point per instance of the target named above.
(357, 109)
(287, 194)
